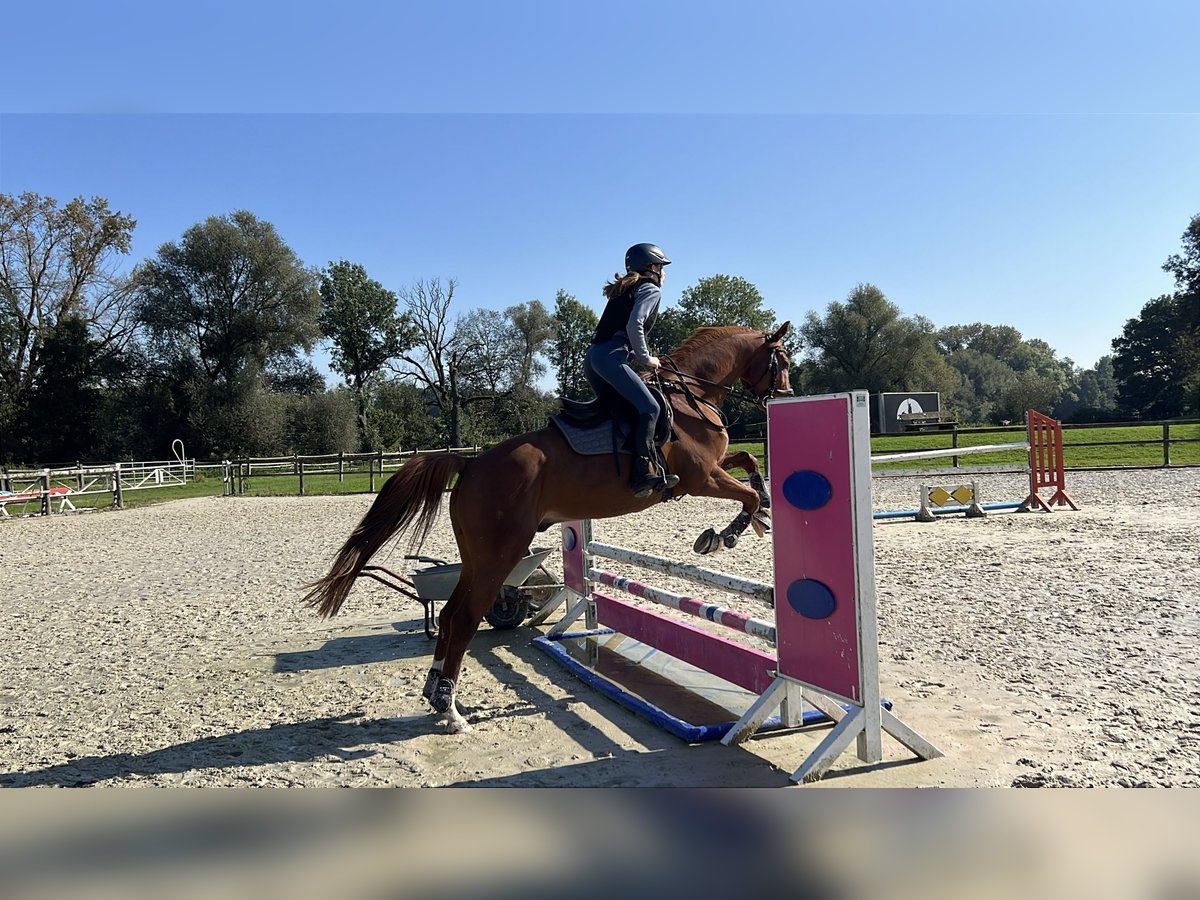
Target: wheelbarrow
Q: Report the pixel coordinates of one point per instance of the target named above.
(527, 590)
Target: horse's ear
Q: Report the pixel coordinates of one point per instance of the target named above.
(778, 335)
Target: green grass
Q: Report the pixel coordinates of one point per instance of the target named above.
(314, 485)
(1147, 452)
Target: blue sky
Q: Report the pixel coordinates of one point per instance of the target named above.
(1018, 165)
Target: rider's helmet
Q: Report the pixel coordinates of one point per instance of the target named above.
(640, 257)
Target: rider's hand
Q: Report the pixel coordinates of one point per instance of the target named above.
(653, 364)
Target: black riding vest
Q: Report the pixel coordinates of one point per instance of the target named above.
(617, 312)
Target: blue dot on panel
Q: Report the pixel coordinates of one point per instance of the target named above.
(807, 489)
(811, 599)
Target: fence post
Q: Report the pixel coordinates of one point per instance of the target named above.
(78, 475)
(300, 469)
(44, 480)
(341, 466)
(954, 443)
(118, 497)
(1166, 443)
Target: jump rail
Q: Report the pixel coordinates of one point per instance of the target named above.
(756, 589)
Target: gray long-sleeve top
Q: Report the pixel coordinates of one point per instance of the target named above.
(641, 319)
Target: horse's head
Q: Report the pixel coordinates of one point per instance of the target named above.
(768, 374)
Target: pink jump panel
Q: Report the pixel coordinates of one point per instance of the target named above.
(574, 570)
(747, 668)
(812, 506)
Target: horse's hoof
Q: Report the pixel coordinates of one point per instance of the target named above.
(442, 697)
(761, 522)
(430, 681)
(708, 542)
(730, 540)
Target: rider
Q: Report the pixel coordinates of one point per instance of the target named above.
(629, 314)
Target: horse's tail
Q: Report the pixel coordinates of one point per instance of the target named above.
(412, 494)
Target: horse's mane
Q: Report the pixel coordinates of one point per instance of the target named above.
(703, 337)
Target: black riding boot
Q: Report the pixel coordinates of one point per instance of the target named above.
(646, 478)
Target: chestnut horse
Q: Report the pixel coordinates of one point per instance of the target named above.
(504, 496)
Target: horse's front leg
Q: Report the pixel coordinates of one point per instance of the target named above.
(723, 485)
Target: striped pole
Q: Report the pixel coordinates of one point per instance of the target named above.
(765, 593)
(690, 605)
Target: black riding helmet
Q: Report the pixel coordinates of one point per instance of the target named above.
(640, 257)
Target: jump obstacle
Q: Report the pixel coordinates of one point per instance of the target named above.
(1044, 447)
(826, 650)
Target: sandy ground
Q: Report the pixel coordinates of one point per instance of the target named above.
(167, 646)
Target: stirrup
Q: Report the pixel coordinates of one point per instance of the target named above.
(653, 485)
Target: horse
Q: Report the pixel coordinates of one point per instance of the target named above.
(528, 483)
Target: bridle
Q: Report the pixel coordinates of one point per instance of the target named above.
(774, 368)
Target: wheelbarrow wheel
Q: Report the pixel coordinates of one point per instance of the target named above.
(509, 610)
(540, 587)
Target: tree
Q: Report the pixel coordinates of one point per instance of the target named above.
(319, 423)
(575, 324)
(289, 373)
(713, 300)
(56, 264)
(61, 416)
(999, 341)
(721, 300)
(215, 308)
(984, 381)
(1156, 359)
(865, 344)
(1003, 374)
(531, 331)
(1185, 267)
(1148, 362)
(480, 357)
(229, 296)
(439, 356)
(1097, 391)
(498, 359)
(358, 315)
(401, 419)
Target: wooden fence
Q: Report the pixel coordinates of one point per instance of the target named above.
(236, 473)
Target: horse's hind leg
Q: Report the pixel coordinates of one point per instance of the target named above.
(761, 519)
(743, 460)
(477, 589)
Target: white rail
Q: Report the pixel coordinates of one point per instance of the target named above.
(949, 451)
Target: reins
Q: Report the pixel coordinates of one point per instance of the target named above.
(732, 390)
(681, 386)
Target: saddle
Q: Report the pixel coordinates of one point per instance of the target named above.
(605, 424)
